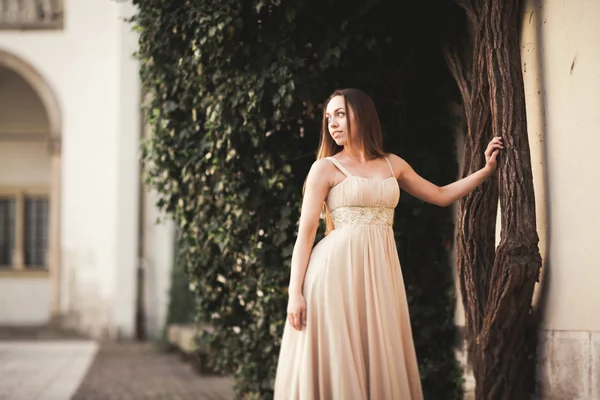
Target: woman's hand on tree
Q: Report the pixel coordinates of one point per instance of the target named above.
(491, 153)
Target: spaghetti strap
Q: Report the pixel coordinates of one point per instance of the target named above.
(339, 166)
(390, 165)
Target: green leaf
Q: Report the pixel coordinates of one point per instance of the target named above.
(290, 13)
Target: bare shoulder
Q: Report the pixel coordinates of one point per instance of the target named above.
(322, 171)
(395, 158)
(321, 166)
(398, 163)
(322, 162)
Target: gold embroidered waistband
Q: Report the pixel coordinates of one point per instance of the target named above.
(355, 215)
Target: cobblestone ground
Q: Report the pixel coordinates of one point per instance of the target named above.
(132, 371)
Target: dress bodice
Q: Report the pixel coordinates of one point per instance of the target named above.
(363, 201)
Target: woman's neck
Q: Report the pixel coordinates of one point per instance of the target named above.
(355, 154)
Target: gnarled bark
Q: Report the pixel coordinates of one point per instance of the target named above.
(496, 284)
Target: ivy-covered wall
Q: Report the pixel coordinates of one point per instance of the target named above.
(235, 91)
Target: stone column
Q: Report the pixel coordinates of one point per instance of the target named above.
(54, 248)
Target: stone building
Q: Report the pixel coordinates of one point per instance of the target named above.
(78, 239)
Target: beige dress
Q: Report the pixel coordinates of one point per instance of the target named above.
(357, 343)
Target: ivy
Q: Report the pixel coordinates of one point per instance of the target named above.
(233, 96)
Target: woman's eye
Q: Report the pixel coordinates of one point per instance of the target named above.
(340, 114)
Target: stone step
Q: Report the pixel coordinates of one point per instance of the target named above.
(185, 338)
(38, 332)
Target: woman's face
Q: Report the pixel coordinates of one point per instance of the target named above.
(336, 115)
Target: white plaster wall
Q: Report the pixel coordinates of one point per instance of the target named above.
(126, 223)
(159, 240)
(563, 45)
(21, 110)
(24, 164)
(570, 51)
(24, 301)
(88, 66)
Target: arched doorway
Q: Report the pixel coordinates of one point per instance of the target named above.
(30, 172)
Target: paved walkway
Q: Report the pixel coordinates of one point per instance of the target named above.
(137, 371)
(81, 370)
(48, 370)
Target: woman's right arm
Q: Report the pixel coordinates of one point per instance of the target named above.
(318, 183)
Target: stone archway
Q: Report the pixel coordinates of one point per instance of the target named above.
(52, 107)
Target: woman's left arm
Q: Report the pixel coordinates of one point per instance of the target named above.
(421, 188)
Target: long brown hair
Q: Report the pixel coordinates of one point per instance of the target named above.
(368, 129)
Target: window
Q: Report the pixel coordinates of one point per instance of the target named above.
(31, 14)
(23, 230)
(7, 230)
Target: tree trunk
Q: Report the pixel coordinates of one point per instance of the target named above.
(497, 284)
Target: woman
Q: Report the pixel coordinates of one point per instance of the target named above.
(348, 334)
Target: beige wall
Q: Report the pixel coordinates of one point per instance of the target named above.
(569, 50)
(24, 300)
(21, 110)
(561, 58)
(24, 163)
(158, 262)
